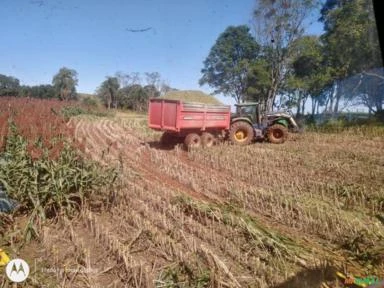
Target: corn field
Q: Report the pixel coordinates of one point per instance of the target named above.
(257, 216)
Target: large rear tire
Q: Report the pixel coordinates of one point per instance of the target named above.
(277, 134)
(192, 140)
(207, 140)
(241, 133)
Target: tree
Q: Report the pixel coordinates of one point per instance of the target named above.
(351, 43)
(278, 23)
(108, 91)
(9, 85)
(308, 73)
(127, 79)
(227, 65)
(153, 79)
(133, 97)
(258, 81)
(371, 91)
(367, 89)
(65, 82)
(151, 91)
(327, 7)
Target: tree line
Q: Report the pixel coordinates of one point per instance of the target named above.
(124, 90)
(63, 86)
(280, 65)
(131, 90)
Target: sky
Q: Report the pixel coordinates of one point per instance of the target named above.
(95, 38)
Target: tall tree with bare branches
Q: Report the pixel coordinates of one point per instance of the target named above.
(278, 24)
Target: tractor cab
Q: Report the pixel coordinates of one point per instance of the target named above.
(250, 111)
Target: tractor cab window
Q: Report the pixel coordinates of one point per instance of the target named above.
(246, 110)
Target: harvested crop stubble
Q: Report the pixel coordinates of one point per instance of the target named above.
(232, 216)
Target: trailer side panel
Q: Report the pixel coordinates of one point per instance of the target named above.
(178, 116)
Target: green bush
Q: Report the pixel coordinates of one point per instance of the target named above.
(91, 102)
(70, 111)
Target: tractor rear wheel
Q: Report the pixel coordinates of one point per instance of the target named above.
(277, 134)
(241, 133)
(207, 139)
(192, 140)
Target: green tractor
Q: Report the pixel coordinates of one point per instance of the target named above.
(249, 124)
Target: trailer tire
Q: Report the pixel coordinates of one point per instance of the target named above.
(207, 140)
(277, 134)
(241, 133)
(192, 140)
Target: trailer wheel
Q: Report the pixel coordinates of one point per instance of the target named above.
(192, 140)
(277, 134)
(207, 139)
(241, 133)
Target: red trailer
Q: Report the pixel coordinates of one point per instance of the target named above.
(194, 123)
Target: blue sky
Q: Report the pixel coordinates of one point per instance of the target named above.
(92, 37)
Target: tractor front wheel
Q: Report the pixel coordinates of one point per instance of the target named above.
(241, 133)
(192, 140)
(277, 134)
